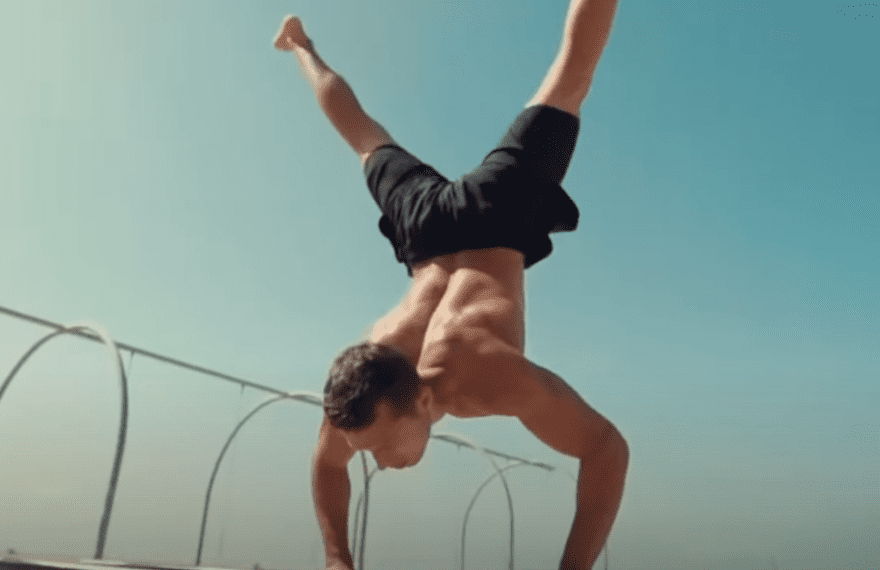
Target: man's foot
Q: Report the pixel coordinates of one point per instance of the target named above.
(291, 34)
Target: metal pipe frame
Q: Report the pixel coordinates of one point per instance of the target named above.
(186, 365)
(97, 334)
(116, 359)
(443, 437)
(307, 397)
(471, 505)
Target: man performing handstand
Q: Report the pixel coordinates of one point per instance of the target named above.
(455, 343)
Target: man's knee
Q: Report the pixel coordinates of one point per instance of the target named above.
(564, 102)
(375, 138)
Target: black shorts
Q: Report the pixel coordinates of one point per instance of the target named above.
(513, 199)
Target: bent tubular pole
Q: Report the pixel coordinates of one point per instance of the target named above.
(366, 504)
(474, 445)
(307, 397)
(116, 359)
(459, 441)
(96, 334)
(474, 501)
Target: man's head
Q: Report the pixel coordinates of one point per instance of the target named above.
(376, 397)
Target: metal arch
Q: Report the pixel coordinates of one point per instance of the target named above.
(81, 332)
(464, 527)
(473, 502)
(123, 423)
(202, 370)
(474, 445)
(459, 441)
(303, 396)
(520, 463)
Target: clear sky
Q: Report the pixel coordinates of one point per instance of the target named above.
(165, 173)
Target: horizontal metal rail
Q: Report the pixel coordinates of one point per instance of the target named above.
(96, 335)
(147, 353)
(220, 375)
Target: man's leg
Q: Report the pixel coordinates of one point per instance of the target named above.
(333, 93)
(587, 28)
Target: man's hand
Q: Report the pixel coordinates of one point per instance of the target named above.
(291, 34)
(339, 566)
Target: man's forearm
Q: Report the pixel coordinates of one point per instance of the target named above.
(599, 490)
(332, 493)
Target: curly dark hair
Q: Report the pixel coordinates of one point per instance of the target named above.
(361, 377)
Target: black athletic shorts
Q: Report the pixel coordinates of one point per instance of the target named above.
(513, 199)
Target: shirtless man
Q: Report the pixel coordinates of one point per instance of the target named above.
(455, 343)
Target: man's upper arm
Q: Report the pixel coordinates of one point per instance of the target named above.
(333, 450)
(559, 417)
(544, 402)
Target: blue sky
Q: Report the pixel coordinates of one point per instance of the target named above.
(167, 174)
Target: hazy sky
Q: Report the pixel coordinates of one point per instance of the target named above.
(165, 173)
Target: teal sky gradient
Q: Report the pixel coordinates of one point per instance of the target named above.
(166, 173)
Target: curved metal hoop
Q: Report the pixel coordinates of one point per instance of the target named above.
(303, 396)
(474, 445)
(97, 334)
(473, 502)
(520, 463)
(460, 440)
(123, 423)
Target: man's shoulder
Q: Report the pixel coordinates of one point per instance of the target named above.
(333, 450)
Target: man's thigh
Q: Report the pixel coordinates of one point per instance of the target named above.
(538, 146)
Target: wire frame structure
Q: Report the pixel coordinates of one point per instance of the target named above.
(116, 360)
(459, 440)
(308, 397)
(96, 333)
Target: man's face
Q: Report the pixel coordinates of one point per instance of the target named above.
(396, 443)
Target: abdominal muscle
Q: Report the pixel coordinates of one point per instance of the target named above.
(476, 290)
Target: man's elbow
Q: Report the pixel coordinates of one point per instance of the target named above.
(615, 446)
(624, 453)
(620, 442)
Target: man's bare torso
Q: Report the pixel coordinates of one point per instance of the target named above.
(472, 292)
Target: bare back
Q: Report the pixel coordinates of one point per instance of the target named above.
(472, 290)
